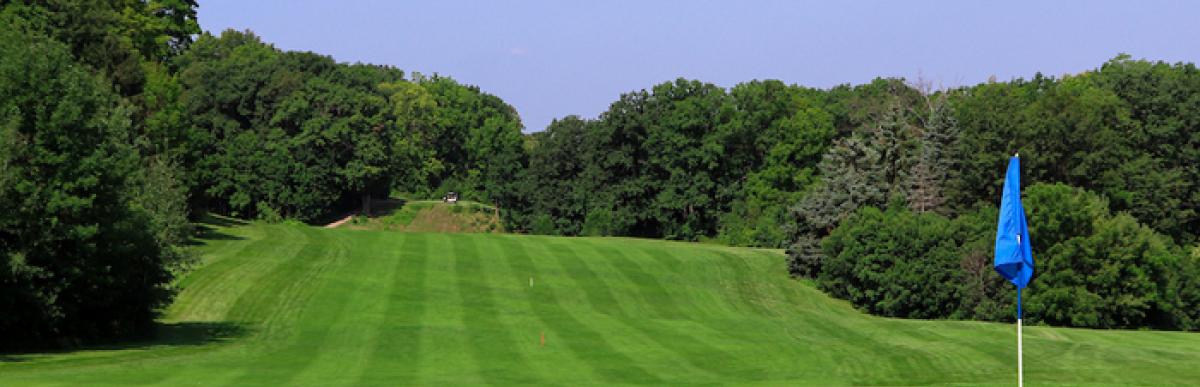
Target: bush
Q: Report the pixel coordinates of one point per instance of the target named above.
(1058, 212)
(984, 295)
(1094, 269)
(753, 227)
(893, 263)
(804, 256)
(543, 225)
(1181, 295)
(1108, 279)
(599, 222)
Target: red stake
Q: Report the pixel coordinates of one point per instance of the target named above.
(543, 338)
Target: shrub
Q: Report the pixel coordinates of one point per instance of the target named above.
(599, 222)
(543, 225)
(893, 263)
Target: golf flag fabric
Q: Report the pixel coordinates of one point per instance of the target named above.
(1014, 256)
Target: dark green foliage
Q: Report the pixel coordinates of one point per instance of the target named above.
(683, 160)
(1125, 131)
(85, 251)
(1157, 181)
(599, 222)
(1061, 212)
(900, 158)
(1094, 268)
(1123, 134)
(1097, 269)
(474, 136)
(543, 225)
(1107, 279)
(893, 263)
(115, 37)
(782, 133)
(983, 294)
(553, 184)
(296, 135)
(1182, 292)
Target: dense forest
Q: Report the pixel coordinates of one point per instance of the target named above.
(121, 122)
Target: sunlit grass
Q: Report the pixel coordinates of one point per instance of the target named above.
(295, 305)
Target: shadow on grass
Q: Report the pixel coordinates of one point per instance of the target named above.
(379, 208)
(382, 208)
(193, 333)
(221, 221)
(180, 334)
(210, 233)
(206, 229)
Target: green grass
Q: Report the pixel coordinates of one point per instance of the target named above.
(434, 216)
(293, 305)
(406, 213)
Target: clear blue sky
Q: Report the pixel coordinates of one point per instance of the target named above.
(554, 58)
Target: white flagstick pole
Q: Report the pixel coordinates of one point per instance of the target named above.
(1020, 368)
(1020, 365)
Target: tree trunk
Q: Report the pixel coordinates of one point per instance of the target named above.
(366, 204)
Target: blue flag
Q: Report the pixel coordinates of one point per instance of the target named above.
(1014, 256)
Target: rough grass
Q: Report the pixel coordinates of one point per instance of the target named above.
(295, 305)
(433, 216)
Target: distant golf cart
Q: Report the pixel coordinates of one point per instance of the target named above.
(451, 197)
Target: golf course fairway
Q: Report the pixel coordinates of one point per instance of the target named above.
(292, 305)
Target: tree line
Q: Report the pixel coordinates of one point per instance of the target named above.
(268, 134)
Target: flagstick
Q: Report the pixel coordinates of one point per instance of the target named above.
(1020, 370)
(1020, 366)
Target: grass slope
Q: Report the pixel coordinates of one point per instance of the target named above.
(293, 305)
(431, 216)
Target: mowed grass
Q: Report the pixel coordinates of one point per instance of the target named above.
(293, 305)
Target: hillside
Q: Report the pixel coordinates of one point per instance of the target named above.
(295, 305)
(429, 216)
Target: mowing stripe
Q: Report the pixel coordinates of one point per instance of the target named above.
(690, 349)
(213, 292)
(444, 340)
(421, 309)
(344, 318)
(396, 355)
(741, 282)
(652, 293)
(732, 328)
(502, 364)
(261, 262)
(586, 344)
(285, 343)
